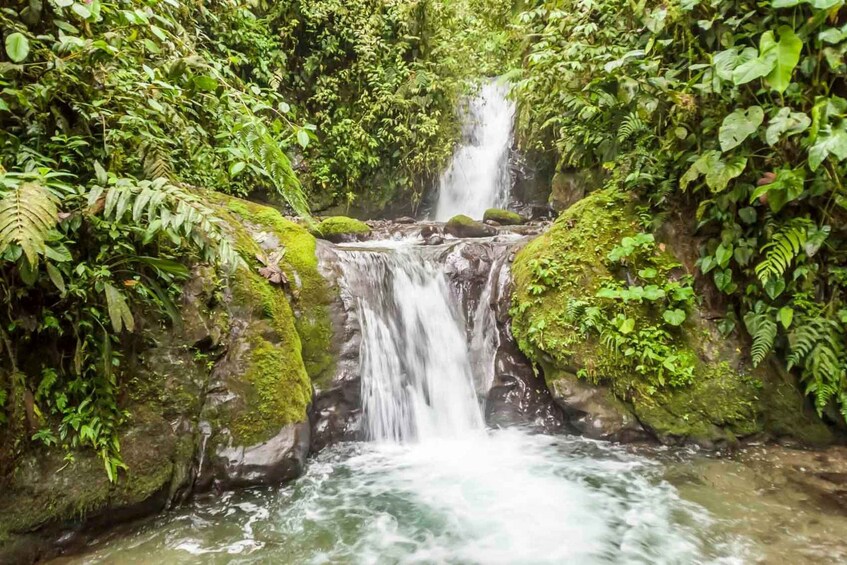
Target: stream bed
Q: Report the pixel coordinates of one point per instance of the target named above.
(503, 496)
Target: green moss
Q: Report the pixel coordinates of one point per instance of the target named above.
(720, 403)
(503, 217)
(337, 226)
(312, 295)
(462, 220)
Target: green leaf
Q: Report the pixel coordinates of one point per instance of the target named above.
(81, 11)
(17, 47)
(723, 254)
(119, 312)
(56, 277)
(100, 173)
(236, 168)
(830, 141)
(718, 172)
(787, 55)
(740, 125)
(627, 326)
(774, 286)
(786, 316)
(788, 123)
(303, 138)
(205, 83)
(723, 280)
(760, 66)
(674, 317)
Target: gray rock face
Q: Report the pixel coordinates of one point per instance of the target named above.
(280, 459)
(593, 411)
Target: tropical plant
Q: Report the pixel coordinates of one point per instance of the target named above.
(730, 108)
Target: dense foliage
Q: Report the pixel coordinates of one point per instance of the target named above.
(727, 109)
(116, 116)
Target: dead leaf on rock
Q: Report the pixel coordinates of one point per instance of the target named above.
(271, 269)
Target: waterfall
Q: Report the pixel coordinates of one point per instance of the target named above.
(478, 176)
(417, 375)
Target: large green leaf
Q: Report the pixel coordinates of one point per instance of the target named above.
(830, 141)
(740, 125)
(119, 313)
(17, 47)
(27, 214)
(760, 66)
(786, 56)
(785, 124)
(718, 172)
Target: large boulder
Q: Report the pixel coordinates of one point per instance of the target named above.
(221, 400)
(462, 226)
(605, 393)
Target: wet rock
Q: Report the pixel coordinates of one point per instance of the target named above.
(503, 217)
(593, 411)
(462, 226)
(405, 220)
(279, 459)
(339, 229)
(569, 186)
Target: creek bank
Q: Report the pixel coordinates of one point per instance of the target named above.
(727, 400)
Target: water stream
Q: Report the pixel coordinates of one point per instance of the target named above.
(479, 176)
(433, 485)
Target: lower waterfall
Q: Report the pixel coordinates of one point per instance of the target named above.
(433, 484)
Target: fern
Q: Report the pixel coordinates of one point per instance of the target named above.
(27, 214)
(763, 329)
(630, 127)
(156, 163)
(781, 250)
(169, 209)
(817, 349)
(270, 161)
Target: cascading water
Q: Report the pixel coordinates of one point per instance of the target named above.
(434, 485)
(478, 176)
(417, 381)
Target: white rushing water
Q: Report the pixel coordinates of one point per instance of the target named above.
(478, 176)
(433, 485)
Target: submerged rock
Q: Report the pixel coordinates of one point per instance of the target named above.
(598, 388)
(462, 226)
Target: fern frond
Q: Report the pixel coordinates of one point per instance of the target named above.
(270, 161)
(631, 126)
(27, 214)
(157, 162)
(763, 329)
(167, 208)
(816, 347)
(784, 246)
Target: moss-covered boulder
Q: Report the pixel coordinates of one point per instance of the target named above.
(338, 229)
(221, 399)
(702, 389)
(464, 226)
(503, 217)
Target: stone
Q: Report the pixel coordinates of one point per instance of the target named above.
(339, 229)
(503, 217)
(462, 226)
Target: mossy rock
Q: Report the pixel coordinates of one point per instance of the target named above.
(503, 217)
(311, 296)
(726, 399)
(341, 228)
(464, 226)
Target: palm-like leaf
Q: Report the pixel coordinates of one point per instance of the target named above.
(27, 214)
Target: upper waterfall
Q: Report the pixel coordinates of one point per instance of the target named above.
(478, 176)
